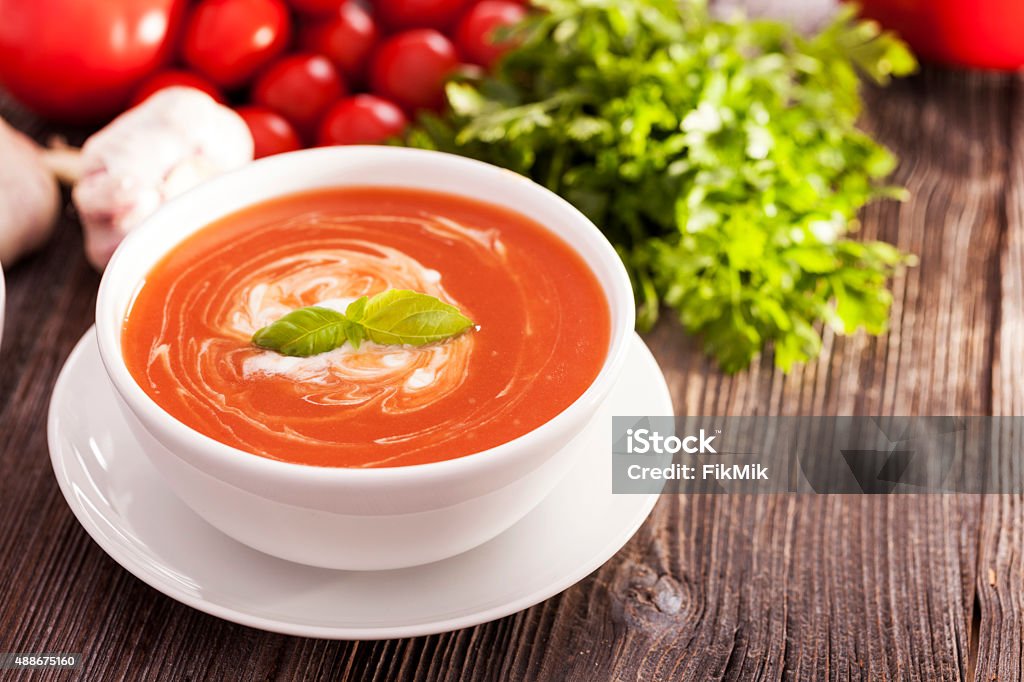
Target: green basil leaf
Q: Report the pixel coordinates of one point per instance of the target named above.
(356, 308)
(392, 317)
(355, 334)
(354, 312)
(305, 332)
(400, 316)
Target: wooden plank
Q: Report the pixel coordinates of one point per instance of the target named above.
(1000, 580)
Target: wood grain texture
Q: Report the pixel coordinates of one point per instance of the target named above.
(1000, 580)
(712, 587)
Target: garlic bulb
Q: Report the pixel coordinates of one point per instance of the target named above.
(169, 143)
(29, 196)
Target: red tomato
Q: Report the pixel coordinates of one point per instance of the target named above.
(363, 119)
(475, 33)
(300, 87)
(986, 33)
(170, 78)
(346, 38)
(271, 132)
(228, 41)
(80, 61)
(410, 68)
(404, 14)
(316, 6)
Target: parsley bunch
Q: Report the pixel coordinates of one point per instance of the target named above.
(721, 158)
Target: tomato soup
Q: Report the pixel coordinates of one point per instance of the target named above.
(542, 330)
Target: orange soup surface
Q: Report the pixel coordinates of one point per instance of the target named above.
(543, 328)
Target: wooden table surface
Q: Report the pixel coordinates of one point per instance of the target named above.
(769, 587)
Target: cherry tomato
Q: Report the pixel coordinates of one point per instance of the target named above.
(346, 38)
(300, 87)
(228, 41)
(363, 119)
(410, 68)
(171, 78)
(80, 61)
(405, 14)
(271, 132)
(315, 7)
(475, 34)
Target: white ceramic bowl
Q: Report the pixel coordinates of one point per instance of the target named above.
(356, 518)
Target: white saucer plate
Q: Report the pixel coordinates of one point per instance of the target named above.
(122, 503)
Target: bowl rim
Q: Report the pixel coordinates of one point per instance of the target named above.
(617, 290)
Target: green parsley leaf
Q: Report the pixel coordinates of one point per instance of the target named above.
(721, 158)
